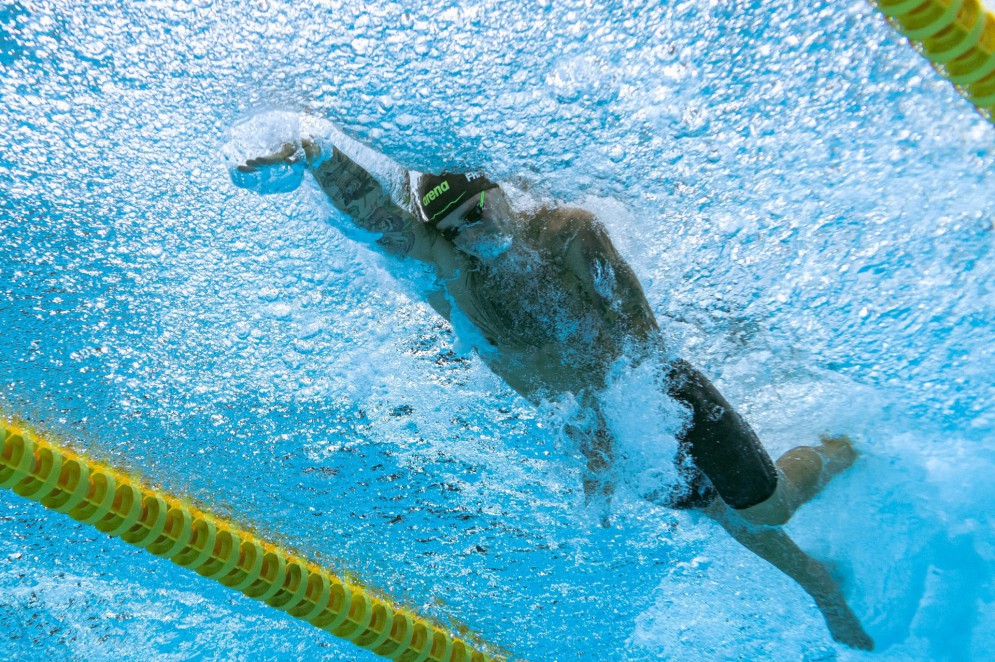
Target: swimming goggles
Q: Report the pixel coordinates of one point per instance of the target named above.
(472, 216)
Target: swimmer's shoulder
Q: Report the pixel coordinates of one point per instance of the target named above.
(562, 230)
(554, 228)
(575, 239)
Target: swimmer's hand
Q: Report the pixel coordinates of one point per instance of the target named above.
(597, 501)
(280, 171)
(270, 152)
(290, 154)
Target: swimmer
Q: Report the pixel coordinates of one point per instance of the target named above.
(555, 306)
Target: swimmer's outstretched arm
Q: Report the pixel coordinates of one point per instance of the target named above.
(354, 191)
(357, 193)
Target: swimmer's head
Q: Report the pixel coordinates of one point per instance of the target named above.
(472, 213)
(255, 141)
(440, 196)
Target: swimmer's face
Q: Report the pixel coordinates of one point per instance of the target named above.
(482, 226)
(487, 207)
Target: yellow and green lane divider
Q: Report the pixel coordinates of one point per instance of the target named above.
(120, 506)
(957, 36)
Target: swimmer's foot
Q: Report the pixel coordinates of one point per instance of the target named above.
(838, 454)
(843, 624)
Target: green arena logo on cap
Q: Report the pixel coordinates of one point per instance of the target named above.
(441, 194)
(435, 192)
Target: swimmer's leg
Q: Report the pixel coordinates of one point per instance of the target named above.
(774, 546)
(802, 473)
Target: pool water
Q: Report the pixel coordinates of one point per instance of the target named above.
(808, 205)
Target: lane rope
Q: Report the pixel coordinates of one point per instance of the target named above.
(39, 469)
(957, 36)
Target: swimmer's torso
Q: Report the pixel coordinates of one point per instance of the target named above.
(552, 325)
(555, 309)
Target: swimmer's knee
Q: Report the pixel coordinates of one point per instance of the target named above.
(776, 510)
(801, 458)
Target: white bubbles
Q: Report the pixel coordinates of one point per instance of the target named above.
(582, 79)
(645, 421)
(405, 120)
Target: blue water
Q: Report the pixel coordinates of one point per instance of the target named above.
(807, 203)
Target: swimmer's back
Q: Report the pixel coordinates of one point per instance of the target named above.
(580, 246)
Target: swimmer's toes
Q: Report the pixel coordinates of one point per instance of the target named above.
(838, 451)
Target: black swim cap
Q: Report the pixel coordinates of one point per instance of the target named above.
(438, 195)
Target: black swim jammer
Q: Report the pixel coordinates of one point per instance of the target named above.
(726, 456)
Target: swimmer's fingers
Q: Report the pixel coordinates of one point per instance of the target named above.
(286, 154)
(311, 150)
